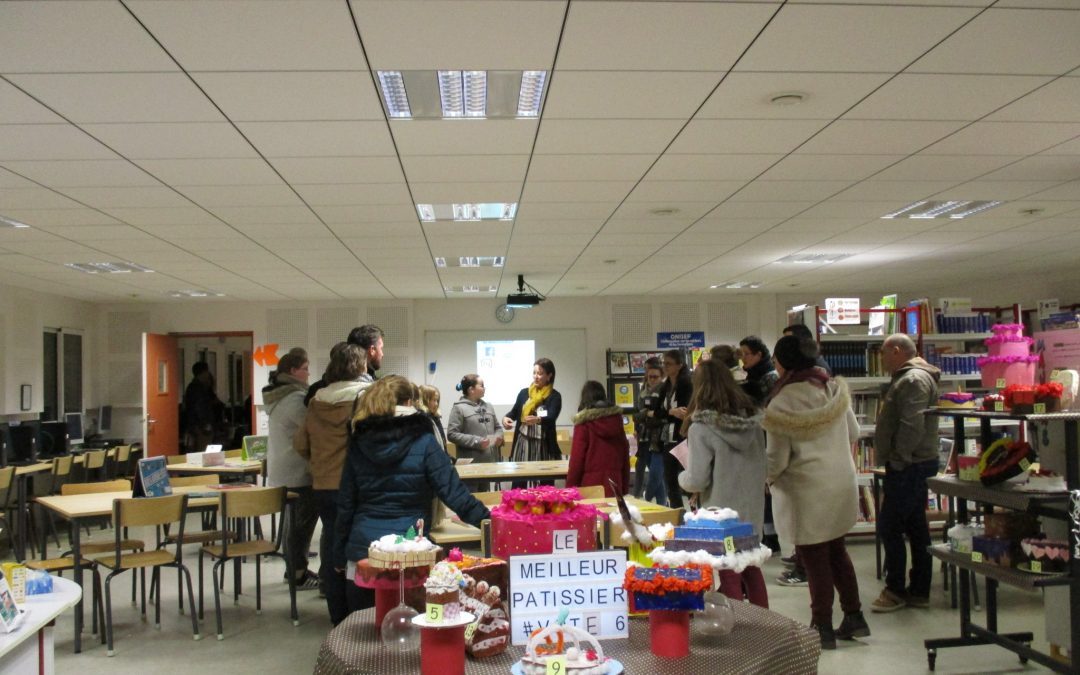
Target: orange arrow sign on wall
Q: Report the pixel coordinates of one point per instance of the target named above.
(266, 355)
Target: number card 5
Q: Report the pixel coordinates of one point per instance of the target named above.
(434, 613)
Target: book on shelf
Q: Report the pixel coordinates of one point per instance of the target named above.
(919, 316)
(867, 507)
(864, 455)
(853, 359)
(971, 323)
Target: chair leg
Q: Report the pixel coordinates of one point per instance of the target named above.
(99, 606)
(258, 584)
(134, 579)
(180, 591)
(142, 584)
(191, 602)
(200, 585)
(218, 569)
(108, 615)
(156, 575)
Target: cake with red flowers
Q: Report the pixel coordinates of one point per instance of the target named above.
(527, 518)
(1008, 357)
(669, 588)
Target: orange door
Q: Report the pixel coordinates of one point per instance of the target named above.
(162, 387)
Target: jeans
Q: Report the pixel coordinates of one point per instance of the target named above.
(654, 489)
(903, 512)
(672, 469)
(333, 581)
(828, 566)
(304, 518)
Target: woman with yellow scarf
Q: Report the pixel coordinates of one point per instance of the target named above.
(534, 413)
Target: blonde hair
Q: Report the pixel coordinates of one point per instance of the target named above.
(428, 394)
(380, 399)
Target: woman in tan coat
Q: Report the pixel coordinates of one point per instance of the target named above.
(323, 439)
(810, 428)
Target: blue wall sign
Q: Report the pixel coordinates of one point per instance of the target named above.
(678, 340)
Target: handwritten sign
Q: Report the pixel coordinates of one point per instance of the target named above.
(588, 584)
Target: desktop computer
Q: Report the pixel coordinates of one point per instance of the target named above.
(23, 446)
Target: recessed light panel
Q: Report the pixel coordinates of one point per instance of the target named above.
(927, 209)
(471, 288)
(737, 285)
(471, 261)
(467, 212)
(813, 258)
(462, 94)
(195, 293)
(108, 267)
(11, 222)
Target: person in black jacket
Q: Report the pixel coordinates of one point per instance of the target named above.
(761, 375)
(394, 469)
(674, 396)
(533, 417)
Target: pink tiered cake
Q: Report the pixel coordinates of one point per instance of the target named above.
(1009, 358)
(525, 521)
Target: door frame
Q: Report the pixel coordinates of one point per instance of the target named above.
(251, 368)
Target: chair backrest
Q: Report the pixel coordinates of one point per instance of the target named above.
(123, 454)
(592, 492)
(252, 502)
(489, 498)
(149, 511)
(233, 454)
(7, 475)
(94, 459)
(202, 479)
(62, 465)
(176, 459)
(119, 485)
(7, 481)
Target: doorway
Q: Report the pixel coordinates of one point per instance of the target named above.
(228, 358)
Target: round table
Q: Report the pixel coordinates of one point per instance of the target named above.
(761, 642)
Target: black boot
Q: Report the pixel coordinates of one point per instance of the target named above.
(828, 636)
(853, 626)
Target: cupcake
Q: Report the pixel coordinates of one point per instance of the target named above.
(443, 587)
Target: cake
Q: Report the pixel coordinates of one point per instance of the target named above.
(991, 402)
(713, 537)
(489, 634)
(1003, 460)
(1044, 481)
(1008, 357)
(669, 588)
(1046, 555)
(582, 651)
(527, 518)
(412, 549)
(956, 399)
(443, 587)
(995, 550)
(494, 571)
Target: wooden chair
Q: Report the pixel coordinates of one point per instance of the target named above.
(7, 498)
(207, 535)
(176, 459)
(234, 454)
(248, 503)
(489, 498)
(50, 485)
(153, 512)
(94, 464)
(592, 492)
(91, 547)
(121, 464)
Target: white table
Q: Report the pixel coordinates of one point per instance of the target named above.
(29, 648)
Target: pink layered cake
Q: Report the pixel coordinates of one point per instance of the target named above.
(1008, 358)
(527, 518)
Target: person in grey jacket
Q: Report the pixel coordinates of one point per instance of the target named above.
(727, 461)
(473, 423)
(906, 444)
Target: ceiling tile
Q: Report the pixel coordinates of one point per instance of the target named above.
(878, 137)
(943, 97)
(825, 95)
(594, 137)
(241, 195)
(904, 192)
(464, 137)
(293, 96)
(1056, 102)
(1004, 138)
(582, 190)
(33, 198)
(49, 141)
(658, 35)
(791, 190)
(88, 98)
(628, 95)
(1033, 42)
(850, 38)
(1048, 168)
(744, 136)
(465, 168)
(254, 35)
(319, 139)
(411, 35)
(172, 141)
(265, 215)
(127, 197)
(367, 213)
(59, 217)
(944, 167)
(18, 108)
(465, 193)
(354, 193)
(84, 173)
(166, 217)
(675, 191)
(211, 171)
(315, 170)
(711, 167)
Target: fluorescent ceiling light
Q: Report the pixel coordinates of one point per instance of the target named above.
(467, 212)
(11, 222)
(394, 96)
(813, 258)
(108, 267)
(471, 261)
(453, 104)
(471, 288)
(195, 293)
(531, 93)
(440, 262)
(738, 284)
(929, 209)
(475, 93)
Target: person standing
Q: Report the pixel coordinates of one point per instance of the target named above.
(473, 427)
(810, 428)
(429, 401)
(600, 452)
(323, 439)
(650, 456)
(284, 402)
(368, 337)
(533, 417)
(761, 377)
(201, 406)
(674, 396)
(906, 444)
(727, 463)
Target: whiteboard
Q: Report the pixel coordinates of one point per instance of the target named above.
(454, 353)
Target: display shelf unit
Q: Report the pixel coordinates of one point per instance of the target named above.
(1049, 506)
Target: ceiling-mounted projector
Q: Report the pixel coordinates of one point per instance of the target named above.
(521, 299)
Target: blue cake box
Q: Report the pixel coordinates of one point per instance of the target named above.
(713, 530)
(671, 601)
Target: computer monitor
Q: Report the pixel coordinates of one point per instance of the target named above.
(24, 442)
(5, 444)
(104, 419)
(53, 439)
(74, 428)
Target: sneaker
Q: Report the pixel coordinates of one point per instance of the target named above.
(853, 626)
(790, 561)
(308, 582)
(827, 635)
(888, 602)
(917, 601)
(792, 578)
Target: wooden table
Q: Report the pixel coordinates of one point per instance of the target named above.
(229, 468)
(77, 508)
(23, 475)
(514, 470)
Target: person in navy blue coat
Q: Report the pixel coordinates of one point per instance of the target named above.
(394, 469)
